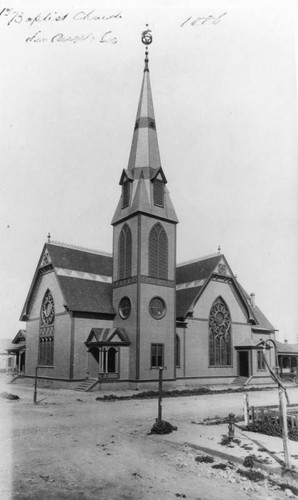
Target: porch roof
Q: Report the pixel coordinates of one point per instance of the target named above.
(21, 346)
(107, 336)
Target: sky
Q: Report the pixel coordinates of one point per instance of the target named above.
(223, 77)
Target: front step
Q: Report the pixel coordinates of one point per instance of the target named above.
(86, 385)
(240, 380)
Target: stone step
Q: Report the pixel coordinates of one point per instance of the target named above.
(85, 385)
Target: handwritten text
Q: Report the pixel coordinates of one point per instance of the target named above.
(199, 21)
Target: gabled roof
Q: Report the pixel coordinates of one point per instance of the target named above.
(196, 270)
(89, 261)
(285, 348)
(20, 337)
(193, 277)
(261, 320)
(107, 336)
(85, 278)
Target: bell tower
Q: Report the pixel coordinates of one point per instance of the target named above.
(144, 249)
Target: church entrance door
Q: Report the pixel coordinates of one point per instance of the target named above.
(243, 363)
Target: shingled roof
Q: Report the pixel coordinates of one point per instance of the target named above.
(89, 261)
(193, 276)
(85, 278)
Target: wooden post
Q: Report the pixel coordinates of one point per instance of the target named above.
(159, 418)
(35, 386)
(231, 425)
(246, 409)
(284, 423)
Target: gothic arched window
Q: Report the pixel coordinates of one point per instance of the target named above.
(125, 252)
(47, 330)
(158, 252)
(219, 334)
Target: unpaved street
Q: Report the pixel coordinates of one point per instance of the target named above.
(72, 446)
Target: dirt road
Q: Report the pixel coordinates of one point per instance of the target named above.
(71, 446)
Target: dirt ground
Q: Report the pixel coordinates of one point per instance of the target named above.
(70, 446)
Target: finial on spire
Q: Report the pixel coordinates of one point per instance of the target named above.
(146, 40)
(219, 249)
(49, 237)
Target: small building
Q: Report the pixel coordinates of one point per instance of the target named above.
(4, 343)
(287, 359)
(16, 354)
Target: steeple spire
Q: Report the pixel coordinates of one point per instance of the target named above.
(144, 149)
(144, 174)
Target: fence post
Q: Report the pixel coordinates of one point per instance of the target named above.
(284, 422)
(246, 409)
(35, 386)
(231, 425)
(159, 418)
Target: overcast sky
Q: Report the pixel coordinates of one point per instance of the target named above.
(224, 92)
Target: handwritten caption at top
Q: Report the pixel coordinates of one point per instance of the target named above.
(12, 17)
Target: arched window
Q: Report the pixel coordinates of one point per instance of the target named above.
(47, 330)
(219, 334)
(177, 351)
(125, 252)
(158, 252)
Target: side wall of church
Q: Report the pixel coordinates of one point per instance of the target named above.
(195, 338)
(62, 336)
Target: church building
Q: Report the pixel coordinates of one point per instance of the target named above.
(100, 321)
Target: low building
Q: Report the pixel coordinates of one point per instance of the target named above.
(16, 354)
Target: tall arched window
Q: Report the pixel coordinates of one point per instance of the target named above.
(158, 252)
(47, 330)
(125, 252)
(219, 334)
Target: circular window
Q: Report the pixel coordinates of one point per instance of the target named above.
(157, 308)
(125, 307)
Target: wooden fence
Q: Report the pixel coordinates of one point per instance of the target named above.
(272, 411)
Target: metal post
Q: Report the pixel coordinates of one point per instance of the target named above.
(159, 418)
(35, 386)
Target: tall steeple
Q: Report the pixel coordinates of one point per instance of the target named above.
(144, 249)
(144, 176)
(144, 149)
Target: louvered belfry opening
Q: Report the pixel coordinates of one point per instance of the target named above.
(125, 252)
(158, 252)
(158, 193)
(125, 194)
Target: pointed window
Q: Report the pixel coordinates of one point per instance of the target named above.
(47, 330)
(158, 193)
(125, 253)
(219, 334)
(125, 194)
(158, 252)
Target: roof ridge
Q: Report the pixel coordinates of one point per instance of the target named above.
(78, 247)
(199, 259)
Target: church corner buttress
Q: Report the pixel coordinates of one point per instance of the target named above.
(144, 252)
